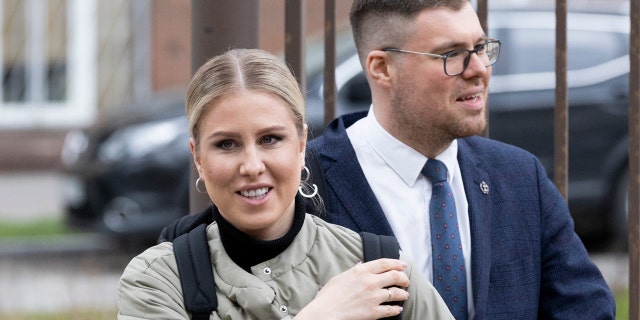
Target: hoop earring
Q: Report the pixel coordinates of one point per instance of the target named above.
(303, 181)
(307, 174)
(198, 183)
(308, 196)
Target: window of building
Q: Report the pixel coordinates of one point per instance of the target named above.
(46, 62)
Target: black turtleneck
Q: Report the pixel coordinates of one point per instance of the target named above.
(246, 251)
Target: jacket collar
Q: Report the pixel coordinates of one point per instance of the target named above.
(477, 186)
(344, 171)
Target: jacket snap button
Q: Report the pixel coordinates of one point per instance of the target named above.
(283, 309)
(266, 271)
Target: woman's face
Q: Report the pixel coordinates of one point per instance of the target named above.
(250, 158)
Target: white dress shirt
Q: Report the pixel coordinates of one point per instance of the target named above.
(393, 172)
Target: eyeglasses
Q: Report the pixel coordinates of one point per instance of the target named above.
(456, 62)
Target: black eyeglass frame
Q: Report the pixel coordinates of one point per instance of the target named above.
(476, 48)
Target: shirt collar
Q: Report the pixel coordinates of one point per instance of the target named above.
(404, 160)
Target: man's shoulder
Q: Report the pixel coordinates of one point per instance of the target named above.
(486, 147)
(495, 157)
(335, 132)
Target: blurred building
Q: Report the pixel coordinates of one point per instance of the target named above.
(66, 63)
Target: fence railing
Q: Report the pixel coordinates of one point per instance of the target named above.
(234, 23)
(634, 161)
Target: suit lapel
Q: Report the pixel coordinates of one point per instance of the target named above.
(354, 193)
(344, 175)
(475, 178)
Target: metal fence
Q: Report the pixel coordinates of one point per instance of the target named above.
(216, 27)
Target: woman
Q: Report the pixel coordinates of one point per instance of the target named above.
(271, 260)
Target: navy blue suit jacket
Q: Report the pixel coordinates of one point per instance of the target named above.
(527, 261)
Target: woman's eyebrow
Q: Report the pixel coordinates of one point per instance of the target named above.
(272, 129)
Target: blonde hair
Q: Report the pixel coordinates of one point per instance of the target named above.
(242, 69)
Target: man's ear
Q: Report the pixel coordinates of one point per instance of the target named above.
(378, 67)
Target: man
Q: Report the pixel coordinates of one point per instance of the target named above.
(428, 64)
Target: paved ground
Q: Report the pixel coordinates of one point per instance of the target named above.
(30, 195)
(78, 272)
(48, 274)
(60, 281)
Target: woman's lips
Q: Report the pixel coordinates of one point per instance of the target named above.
(255, 193)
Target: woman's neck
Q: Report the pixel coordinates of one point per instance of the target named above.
(247, 251)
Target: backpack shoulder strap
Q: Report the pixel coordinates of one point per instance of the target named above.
(376, 246)
(185, 224)
(379, 246)
(196, 273)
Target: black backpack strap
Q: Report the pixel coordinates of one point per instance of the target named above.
(185, 224)
(196, 273)
(380, 246)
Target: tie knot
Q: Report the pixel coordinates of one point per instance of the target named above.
(435, 170)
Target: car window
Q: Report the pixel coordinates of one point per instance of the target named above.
(533, 50)
(529, 51)
(589, 48)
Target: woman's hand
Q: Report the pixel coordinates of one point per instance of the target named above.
(359, 292)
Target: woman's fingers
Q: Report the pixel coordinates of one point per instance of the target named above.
(387, 272)
(395, 294)
(359, 293)
(387, 310)
(383, 265)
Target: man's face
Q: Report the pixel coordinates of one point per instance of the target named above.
(427, 106)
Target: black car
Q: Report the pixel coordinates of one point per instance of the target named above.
(130, 175)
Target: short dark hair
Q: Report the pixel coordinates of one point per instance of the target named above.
(374, 22)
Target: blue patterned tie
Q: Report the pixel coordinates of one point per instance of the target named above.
(449, 276)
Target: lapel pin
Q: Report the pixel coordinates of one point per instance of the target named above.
(484, 187)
